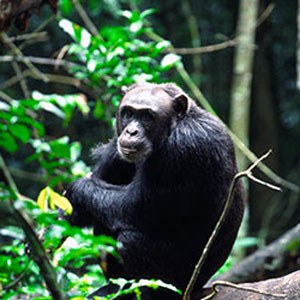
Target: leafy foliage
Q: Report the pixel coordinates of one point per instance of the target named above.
(118, 56)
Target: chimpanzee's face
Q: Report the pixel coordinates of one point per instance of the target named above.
(144, 121)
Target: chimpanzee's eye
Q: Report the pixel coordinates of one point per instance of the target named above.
(146, 116)
(127, 113)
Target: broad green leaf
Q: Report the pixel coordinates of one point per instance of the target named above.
(127, 14)
(162, 45)
(99, 111)
(8, 142)
(52, 108)
(79, 34)
(20, 131)
(75, 150)
(66, 6)
(79, 169)
(82, 103)
(136, 26)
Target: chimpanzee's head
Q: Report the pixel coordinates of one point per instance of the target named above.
(146, 116)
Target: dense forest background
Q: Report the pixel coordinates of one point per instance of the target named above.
(274, 102)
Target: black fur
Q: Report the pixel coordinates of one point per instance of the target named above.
(163, 209)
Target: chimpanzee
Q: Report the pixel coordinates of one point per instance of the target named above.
(159, 187)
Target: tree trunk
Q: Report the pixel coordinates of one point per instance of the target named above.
(241, 85)
(242, 73)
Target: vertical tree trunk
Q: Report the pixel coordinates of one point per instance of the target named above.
(242, 73)
(241, 87)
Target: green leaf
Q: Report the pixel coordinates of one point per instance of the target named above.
(80, 169)
(99, 111)
(136, 26)
(20, 131)
(75, 150)
(148, 12)
(8, 142)
(52, 108)
(66, 6)
(79, 34)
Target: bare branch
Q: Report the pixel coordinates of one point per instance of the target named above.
(17, 52)
(29, 36)
(218, 226)
(40, 61)
(5, 97)
(206, 49)
(86, 19)
(21, 79)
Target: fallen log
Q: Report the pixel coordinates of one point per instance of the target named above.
(279, 258)
(286, 287)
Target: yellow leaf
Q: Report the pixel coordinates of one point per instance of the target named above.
(60, 201)
(42, 199)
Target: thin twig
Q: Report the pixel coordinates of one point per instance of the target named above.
(19, 278)
(17, 52)
(230, 43)
(53, 78)
(60, 56)
(86, 19)
(39, 254)
(270, 186)
(218, 226)
(206, 49)
(238, 287)
(41, 61)
(22, 80)
(5, 97)
(29, 36)
(8, 177)
(265, 14)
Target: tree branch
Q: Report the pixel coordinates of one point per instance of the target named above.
(17, 52)
(86, 19)
(206, 49)
(39, 254)
(218, 226)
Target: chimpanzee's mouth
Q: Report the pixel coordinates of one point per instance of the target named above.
(129, 151)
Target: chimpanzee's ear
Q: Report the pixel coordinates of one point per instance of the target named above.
(180, 105)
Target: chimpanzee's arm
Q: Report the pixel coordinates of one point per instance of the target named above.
(110, 167)
(97, 203)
